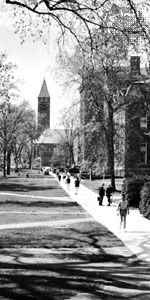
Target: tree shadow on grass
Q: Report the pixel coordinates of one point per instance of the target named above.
(111, 280)
(42, 204)
(85, 272)
(26, 187)
(28, 184)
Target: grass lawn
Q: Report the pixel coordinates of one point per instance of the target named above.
(78, 260)
(95, 184)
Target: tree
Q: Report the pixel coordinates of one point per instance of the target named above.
(93, 144)
(7, 79)
(70, 123)
(26, 133)
(7, 86)
(10, 118)
(104, 81)
(29, 130)
(77, 16)
(17, 132)
(119, 141)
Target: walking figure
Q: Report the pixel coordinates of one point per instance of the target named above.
(101, 194)
(77, 184)
(68, 182)
(109, 191)
(59, 177)
(64, 176)
(123, 208)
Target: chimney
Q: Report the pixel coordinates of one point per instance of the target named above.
(135, 65)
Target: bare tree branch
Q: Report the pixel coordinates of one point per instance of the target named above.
(88, 13)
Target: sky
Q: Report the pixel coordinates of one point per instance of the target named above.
(35, 62)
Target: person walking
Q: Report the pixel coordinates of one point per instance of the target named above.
(101, 192)
(109, 191)
(77, 184)
(68, 180)
(59, 177)
(123, 208)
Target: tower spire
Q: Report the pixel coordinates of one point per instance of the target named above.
(44, 107)
(44, 90)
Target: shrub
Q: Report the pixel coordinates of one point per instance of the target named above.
(144, 205)
(133, 188)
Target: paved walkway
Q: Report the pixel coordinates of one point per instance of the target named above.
(137, 236)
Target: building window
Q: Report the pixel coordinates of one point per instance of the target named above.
(143, 122)
(143, 153)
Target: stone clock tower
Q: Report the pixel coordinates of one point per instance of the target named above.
(44, 108)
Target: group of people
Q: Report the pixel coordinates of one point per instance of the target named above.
(108, 192)
(67, 178)
(123, 205)
(76, 183)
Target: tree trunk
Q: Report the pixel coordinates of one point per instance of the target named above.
(4, 160)
(30, 162)
(90, 173)
(111, 155)
(71, 154)
(8, 162)
(112, 171)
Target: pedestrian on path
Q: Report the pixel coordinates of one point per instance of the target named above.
(64, 176)
(59, 177)
(68, 180)
(123, 208)
(101, 192)
(77, 184)
(109, 191)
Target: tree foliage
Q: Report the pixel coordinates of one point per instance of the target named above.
(77, 17)
(7, 78)
(144, 205)
(7, 86)
(26, 134)
(17, 132)
(104, 81)
(133, 189)
(70, 123)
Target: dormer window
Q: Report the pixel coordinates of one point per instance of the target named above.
(143, 122)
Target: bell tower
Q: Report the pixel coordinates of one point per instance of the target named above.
(43, 108)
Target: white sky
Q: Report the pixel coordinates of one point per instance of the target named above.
(35, 62)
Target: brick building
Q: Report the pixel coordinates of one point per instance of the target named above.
(137, 122)
(136, 118)
(48, 144)
(44, 108)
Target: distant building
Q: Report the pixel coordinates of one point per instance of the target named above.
(48, 147)
(43, 108)
(52, 148)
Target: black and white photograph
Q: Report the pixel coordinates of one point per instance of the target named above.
(74, 149)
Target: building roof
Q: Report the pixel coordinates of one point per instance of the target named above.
(44, 90)
(52, 136)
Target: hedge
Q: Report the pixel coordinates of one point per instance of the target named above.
(144, 205)
(132, 188)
